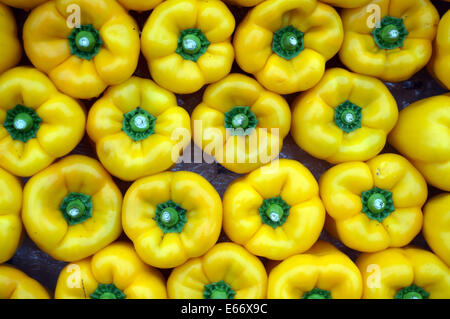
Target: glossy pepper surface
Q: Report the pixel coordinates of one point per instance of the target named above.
(72, 208)
(439, 65)
(346, 117)
(347, 3)
(391, 42)
(82, 60)
(138, 129)
(10, 48)
(323, 272)
(240, 123)
(404, 273)
(171, 217)
(115, 272)
(226, 271)
(422, 134)
(23, 4)
(275, 211)
(285, 43)
(374, 205)
(15, 284)
(436, 225)
(37, 123)
(139, 5)
(244, 3)
(187, 43)
(10, 221)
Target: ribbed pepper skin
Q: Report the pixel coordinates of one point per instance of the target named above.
(140, 5)
(346, 3)
(23, 4)
(10, 48)
(15, 284)
(439, 65)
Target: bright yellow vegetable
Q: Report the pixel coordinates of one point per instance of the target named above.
(285, 43)
(439, 65)
(422, 134)
(135, 125)
(10, 48)
(115, 272)
(323, 272)
(14, 284)
(391, 42)
(241, 124)
(436, 225)
(346, 117)
(347, 3)
(404, 273)
(275, 211)
(374, 205)
(82, 61)
(244, 3)
(37, 123)
(171, 217)
(23, 4)
(227, 271)
(72, 209)
(187, 43)
(139, 5)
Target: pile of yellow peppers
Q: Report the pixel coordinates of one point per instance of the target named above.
(72, 78)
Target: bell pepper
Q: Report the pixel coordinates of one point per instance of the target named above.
(83, 60)
(115, 272)
(37, 123)
(10, 48)
(422, 134)
(436, 225)
(404, 273)
(187, 43)
(285, 43)
(240, 123)
(346, 117)
(171, 217)
(15, 284)
(134, 126)
(323, 272)
(226, 271)
(10, 221)
(347, 3)
(275, 211)
(139, 5)
(374, 205)
(23, 4)
(72, 209)
(393, 48)
(439, 65)
(244, 3)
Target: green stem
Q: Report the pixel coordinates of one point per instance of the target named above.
(76, 208)
(107, 291)
(288, 42)
(218, 290)
(347, 116)
(317, 293)
(85, 42)
(192, 44)
(377, 203)
(240, 120)
(170, 217)
(391, 33)
(412, 292)
(22, 123)
(138, 124)
(274, 211)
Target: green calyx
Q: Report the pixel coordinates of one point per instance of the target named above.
(138, 124)
(170, 217)
(347, 116)
(22, 123)
(240, 120)
(412, 292)
(85, 42)
(391, 33)
(288, 42)
(107, 291)
(274, 211)
(317, 293)
(377, 203)
(76, 208)
(218, 290)
(192, 44)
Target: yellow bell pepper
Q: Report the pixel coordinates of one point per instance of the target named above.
(139, 5)
(244, 3)
(15, 284)
(404, 273)
(436, 225)
(275, 211)
(115, 272)
(422, 134)
(226, 271)
(72, 209)
(82, 60)
(391, 43)
(37, 123)
(171, 217)
(439, 65)
(346, 3)
(240, 123)
(346, 117)
(10, 221)
(374, 205)
(10, 48)
(134, 126)
(23, 4)
(187, 43)
(323, 272)
(285, 43)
